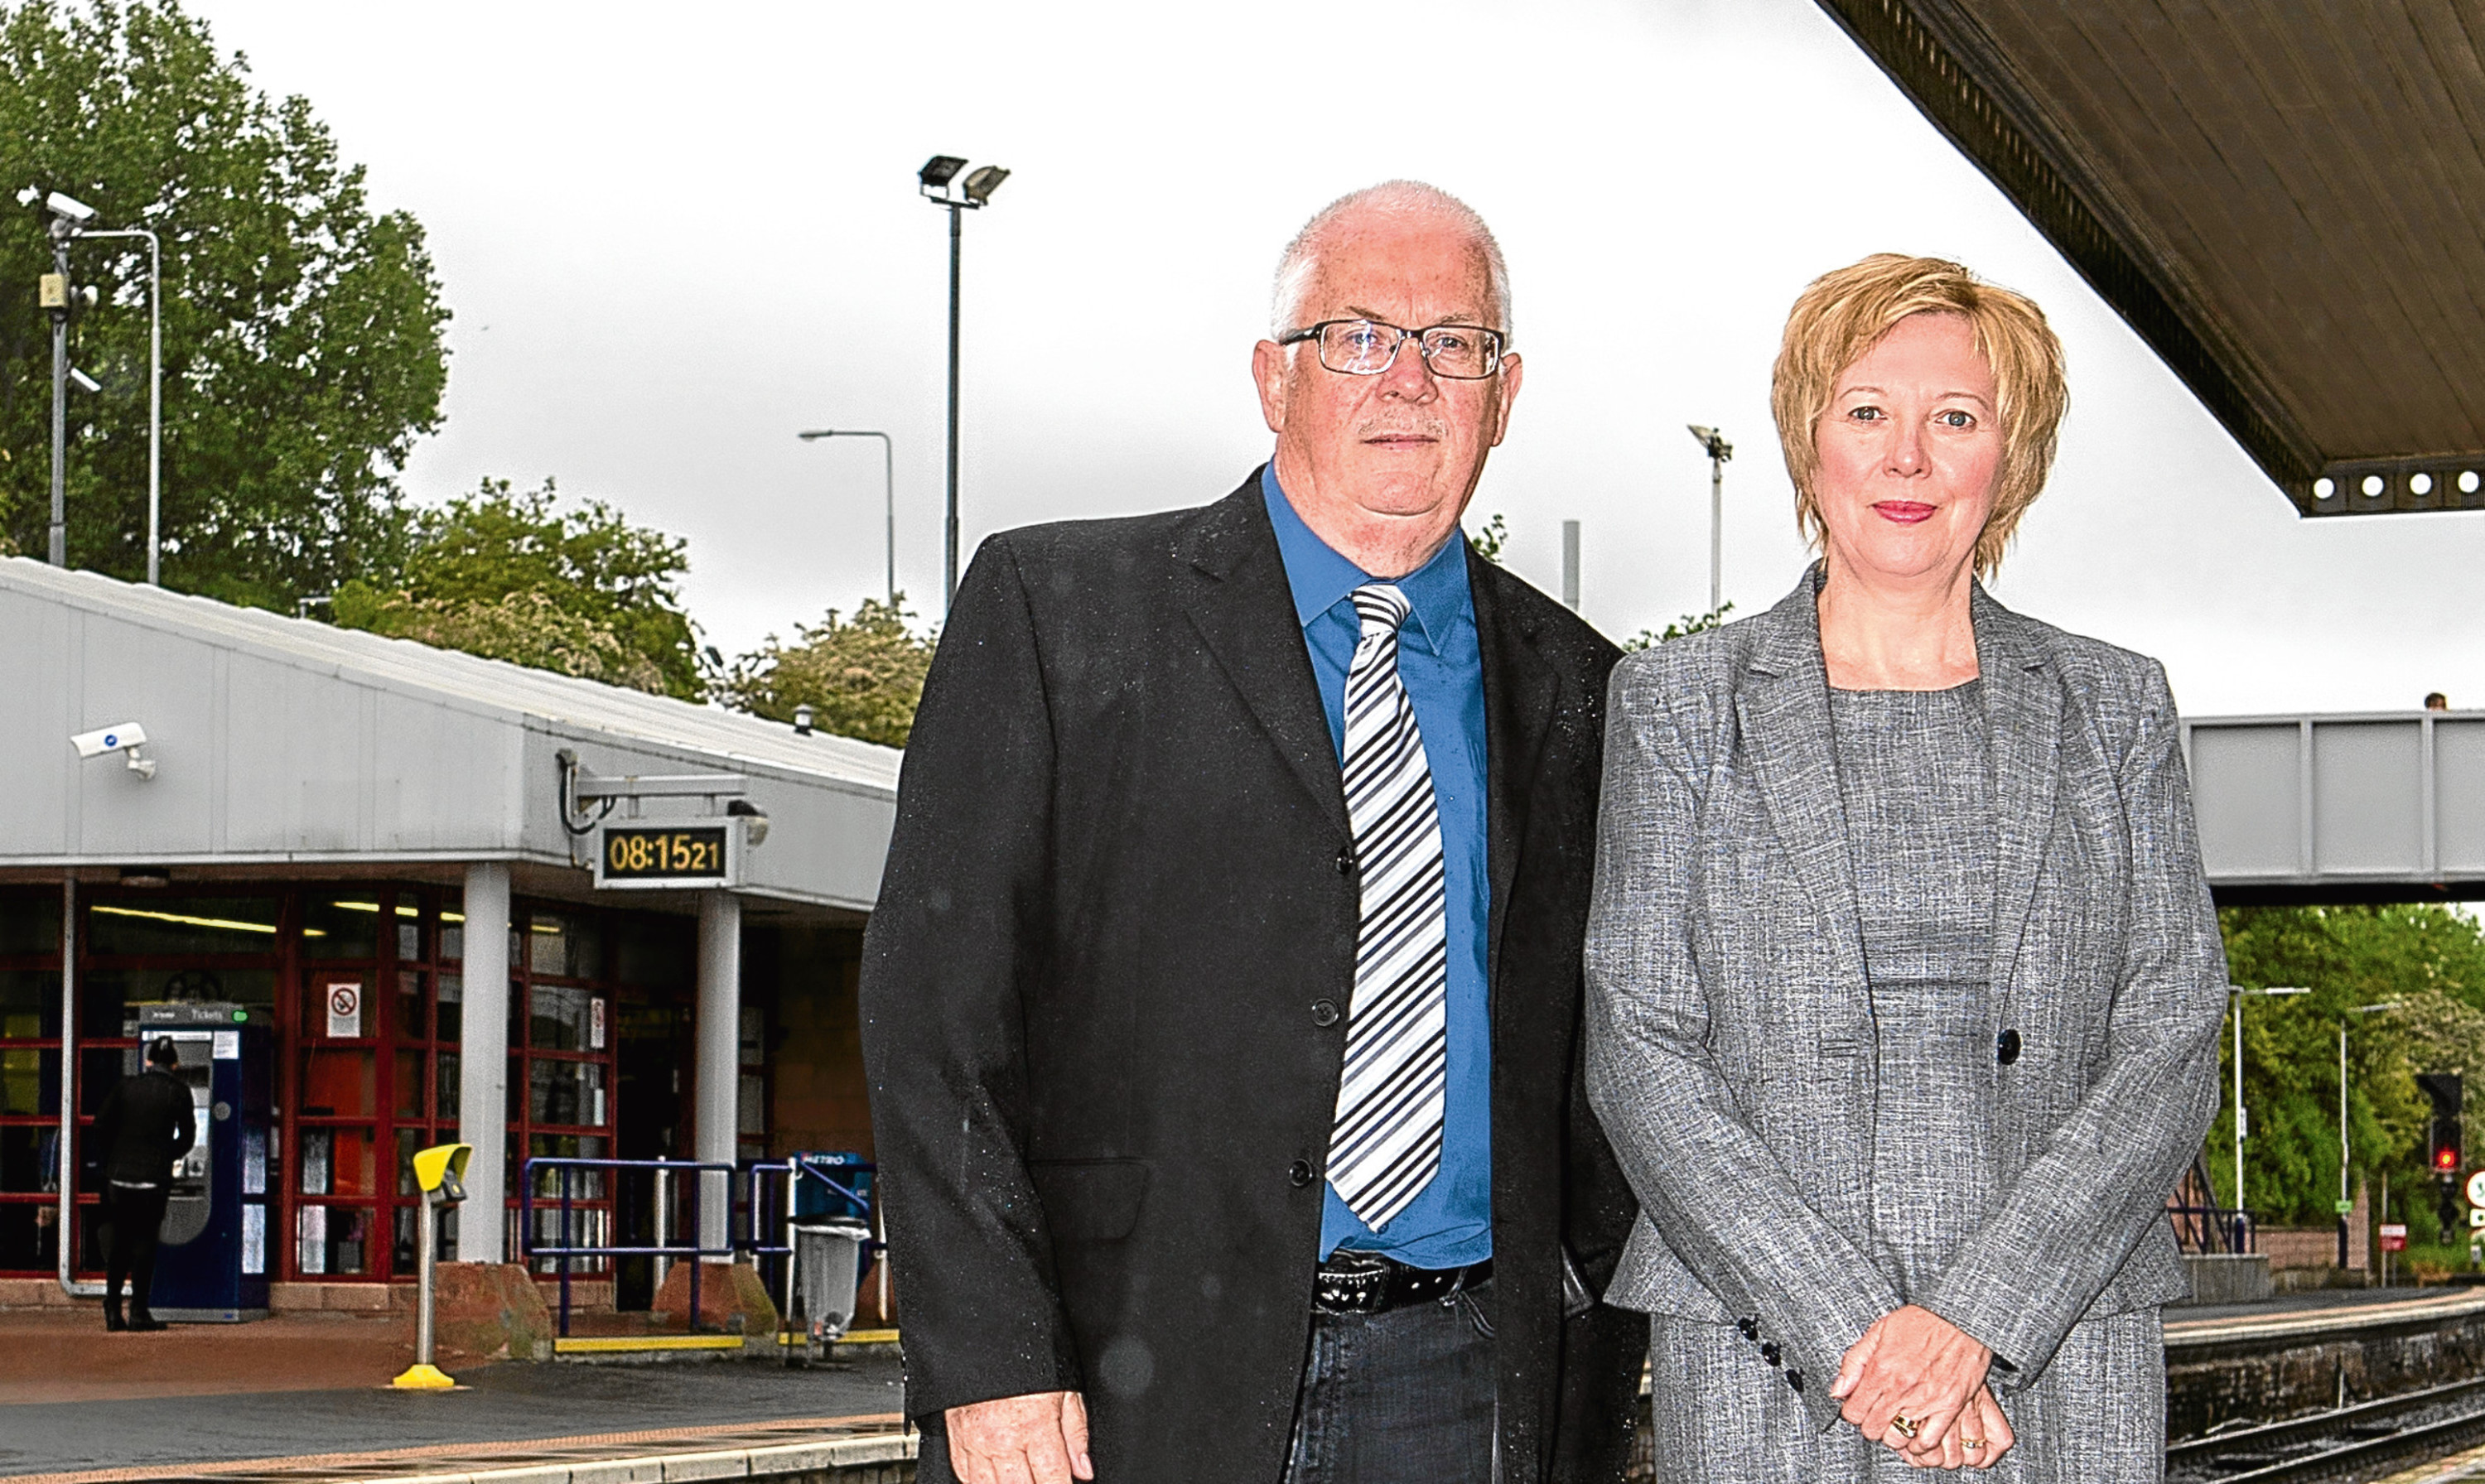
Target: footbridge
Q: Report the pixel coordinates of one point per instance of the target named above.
(2373, 806)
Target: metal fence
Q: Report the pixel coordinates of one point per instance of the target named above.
(760, 1198)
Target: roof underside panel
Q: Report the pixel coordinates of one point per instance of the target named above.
(2285, 199)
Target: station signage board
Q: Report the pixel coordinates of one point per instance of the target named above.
(675, 856)
(2393, 1237)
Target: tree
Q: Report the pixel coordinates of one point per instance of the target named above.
(1681, 627)
(517, 578)
(302, 331)
(862, 677)
(2426, 962)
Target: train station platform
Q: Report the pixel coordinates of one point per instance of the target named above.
(305, 1400)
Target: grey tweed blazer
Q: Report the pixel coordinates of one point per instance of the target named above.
(1730, 1039)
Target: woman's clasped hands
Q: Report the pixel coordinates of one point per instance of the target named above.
(1916, 1383)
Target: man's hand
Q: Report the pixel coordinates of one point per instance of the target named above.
(1037, 1438)
(1912, 1363)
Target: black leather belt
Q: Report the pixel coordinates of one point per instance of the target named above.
(1361, 1283)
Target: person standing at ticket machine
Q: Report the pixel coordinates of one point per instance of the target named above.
(145, 1125)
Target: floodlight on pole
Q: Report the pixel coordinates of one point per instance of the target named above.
(1714, 443)
(939, 184)
(70, 218)
(888, 478)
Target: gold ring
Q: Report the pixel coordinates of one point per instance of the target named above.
(1906, 1426)
(1971, 1442)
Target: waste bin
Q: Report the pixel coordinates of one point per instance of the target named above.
(828, 1264)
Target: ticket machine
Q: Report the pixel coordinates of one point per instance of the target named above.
(213, 1262)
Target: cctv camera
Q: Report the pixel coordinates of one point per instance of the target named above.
(69, 209)
(110, 739)
(126, 738)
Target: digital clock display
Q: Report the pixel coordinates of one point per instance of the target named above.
(652, 852)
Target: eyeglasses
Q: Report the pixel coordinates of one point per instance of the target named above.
(1367, 347)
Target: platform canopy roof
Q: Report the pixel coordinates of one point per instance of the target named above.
(2285, 198)
(289, 745)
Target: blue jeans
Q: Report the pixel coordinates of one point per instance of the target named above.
(1404, 1398)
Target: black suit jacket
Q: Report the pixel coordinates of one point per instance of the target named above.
(143, 1126)
(1118, 886)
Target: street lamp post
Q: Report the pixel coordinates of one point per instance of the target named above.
(68, 218)
(1714, 444)
(2237, 992)
(888, 480)
(941, 185)
(2346, 1203)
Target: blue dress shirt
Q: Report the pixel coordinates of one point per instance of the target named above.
(1450, 1222)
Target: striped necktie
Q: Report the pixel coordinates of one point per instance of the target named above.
(1385, 1144)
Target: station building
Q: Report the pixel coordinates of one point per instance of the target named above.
(383, 855)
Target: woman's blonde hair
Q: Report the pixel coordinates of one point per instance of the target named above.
(1842, 315)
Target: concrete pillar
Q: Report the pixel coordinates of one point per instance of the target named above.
(484, 1064)
(719, 1062)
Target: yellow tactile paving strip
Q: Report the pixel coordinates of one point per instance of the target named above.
(658, 1456)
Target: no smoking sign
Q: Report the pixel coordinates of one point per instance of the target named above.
(345, 1010)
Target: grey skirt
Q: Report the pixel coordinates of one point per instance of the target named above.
(2097, 1415)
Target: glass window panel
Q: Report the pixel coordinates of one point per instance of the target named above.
(181, 926)
(451, 997)
(337, 1005)
(562, 1017)
(29, 1080)
(339, 1084)
(568, 1092)
(571, 946)
(447, 1088)
(30, 923)
(353, 1164)
(30, 1004)
(413, 1012)
(317, 1170)
(408, 1141)
(453, 936)
(583, 1184)
(30, 1161)
(409, 928)
(408, 1100)
(332, 1240)
(26, 1237)
(346, 926)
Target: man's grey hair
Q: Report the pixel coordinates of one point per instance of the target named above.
(1397, 200)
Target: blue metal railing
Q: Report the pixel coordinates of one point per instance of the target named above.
(753, 1201)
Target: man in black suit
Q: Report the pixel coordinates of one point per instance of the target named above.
(143, 1126)
(1221, 1006)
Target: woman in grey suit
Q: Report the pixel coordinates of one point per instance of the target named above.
(1903, 983)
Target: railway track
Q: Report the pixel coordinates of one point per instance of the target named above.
(2355, 1442)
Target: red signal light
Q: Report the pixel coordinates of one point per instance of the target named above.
(2446, 1159)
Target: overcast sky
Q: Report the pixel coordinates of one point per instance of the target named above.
(671, 238)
